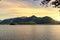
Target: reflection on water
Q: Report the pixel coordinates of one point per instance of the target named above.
(30, 32)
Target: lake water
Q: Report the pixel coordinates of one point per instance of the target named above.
(30, 32)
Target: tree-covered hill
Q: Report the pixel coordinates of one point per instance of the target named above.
(29, 20)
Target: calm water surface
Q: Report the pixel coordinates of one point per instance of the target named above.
(30, 32)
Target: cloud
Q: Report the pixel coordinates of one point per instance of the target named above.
(27, 3)
(14, 3)
(18, 12)
(20, 3)
(17, 8)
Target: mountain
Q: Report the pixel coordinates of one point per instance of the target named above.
(47, 20)
(29, 20)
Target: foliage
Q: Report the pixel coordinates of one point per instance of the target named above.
(29, 20)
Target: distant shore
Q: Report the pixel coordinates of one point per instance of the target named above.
(33, 20)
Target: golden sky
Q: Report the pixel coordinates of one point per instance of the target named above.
(18, 8)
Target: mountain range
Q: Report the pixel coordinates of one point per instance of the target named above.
(29, 20)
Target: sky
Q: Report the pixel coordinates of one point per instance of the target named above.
(18, 8)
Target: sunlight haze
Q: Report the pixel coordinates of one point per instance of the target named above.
(18, 8)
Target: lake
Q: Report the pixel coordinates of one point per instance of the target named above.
(30, 32)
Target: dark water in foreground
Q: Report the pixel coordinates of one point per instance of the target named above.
(30, 32)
